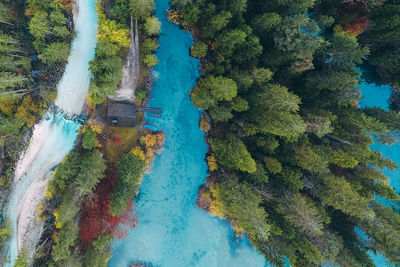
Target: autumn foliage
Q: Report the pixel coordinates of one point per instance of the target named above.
(30, 11)
(212, 163)
(96, 220)
(9, 104)
(360, 21)
(205, 125)
(357, 25)
(96, 126)
(206, 200)
(174, 16)
(66, 4)
(152, 143)
(29, 110)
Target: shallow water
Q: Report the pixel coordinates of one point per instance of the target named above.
(172, 230)
(52, 137)
(378, 96)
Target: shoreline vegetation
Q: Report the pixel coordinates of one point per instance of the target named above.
(35, 39)
(88, 201)
(289, 158)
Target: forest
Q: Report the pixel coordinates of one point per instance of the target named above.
(290, 163)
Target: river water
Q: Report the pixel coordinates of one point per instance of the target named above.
(172, 230)
(53, 137)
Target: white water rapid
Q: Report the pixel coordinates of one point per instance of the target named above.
(53, 137)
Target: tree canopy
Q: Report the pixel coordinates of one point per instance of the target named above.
(287, 138)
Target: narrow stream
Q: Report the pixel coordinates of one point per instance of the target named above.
(53, 137)
(172, 230)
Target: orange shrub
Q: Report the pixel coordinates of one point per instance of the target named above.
(148, 140)
(30, 11)
(66, 4)
(160, 139)
(205, 124)
(237, 229)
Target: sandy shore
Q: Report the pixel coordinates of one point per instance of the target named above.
(38, 140)
(29, 229)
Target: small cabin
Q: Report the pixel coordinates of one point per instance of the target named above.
(121, 114)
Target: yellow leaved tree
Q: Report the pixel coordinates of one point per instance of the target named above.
(110, 30)
(212, 163)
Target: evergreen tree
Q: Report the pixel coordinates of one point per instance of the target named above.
(232, 153)
(273, 110)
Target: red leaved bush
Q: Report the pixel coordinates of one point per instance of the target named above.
(357, 25)
(357, 10)
(95, 218)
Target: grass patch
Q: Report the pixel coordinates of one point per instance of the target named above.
(122, 140)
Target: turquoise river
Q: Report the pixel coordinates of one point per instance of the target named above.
(172, 230)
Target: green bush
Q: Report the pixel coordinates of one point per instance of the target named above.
(199, 49)
(150, 60)
(140, 93)
(89, 140)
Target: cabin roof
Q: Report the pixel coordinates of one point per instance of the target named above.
(121, 114)
(121, 110)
